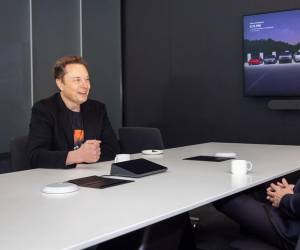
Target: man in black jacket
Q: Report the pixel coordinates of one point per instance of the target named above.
(68, 128)
(276, 221)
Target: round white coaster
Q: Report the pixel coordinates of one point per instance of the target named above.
(152, 152)
(226, 154)
(60, 188)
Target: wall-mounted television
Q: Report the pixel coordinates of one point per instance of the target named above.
(271, 54)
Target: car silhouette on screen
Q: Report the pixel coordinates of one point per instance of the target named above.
(297, 56)
(285, 57)
(270, 59)
(255, 60)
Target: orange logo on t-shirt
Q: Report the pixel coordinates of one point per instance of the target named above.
(78, 137)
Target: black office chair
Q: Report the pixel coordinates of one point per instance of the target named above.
(19, 160)
(135, 139)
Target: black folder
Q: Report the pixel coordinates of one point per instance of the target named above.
(136, 168)
(95, 181)
(209, 158)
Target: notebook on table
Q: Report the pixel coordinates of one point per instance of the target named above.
(209, 158)
(95, 181)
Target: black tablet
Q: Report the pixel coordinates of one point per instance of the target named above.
(136, 168)
(209, 158)
(95, 181)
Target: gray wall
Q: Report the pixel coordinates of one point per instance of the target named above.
(184, 73)
(91, 28)
(56, 32)
(103, 53)
(15, 85)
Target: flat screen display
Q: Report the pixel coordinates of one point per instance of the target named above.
(271, 54)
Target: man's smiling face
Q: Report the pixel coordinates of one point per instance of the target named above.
(74, 85)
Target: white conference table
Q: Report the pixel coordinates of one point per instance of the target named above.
(31, 220)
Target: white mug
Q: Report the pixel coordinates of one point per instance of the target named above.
(238, 181)
(240, 167)
(122, 157)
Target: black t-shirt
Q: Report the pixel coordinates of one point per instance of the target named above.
(77, 127)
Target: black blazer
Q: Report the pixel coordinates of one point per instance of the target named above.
(51, 134)
(286, 219)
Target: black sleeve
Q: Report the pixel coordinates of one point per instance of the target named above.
(109, 142)
(290, 203)
(40, 141)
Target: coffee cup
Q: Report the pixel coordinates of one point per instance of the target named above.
(122, 157)
(240, 167)
(238, 181)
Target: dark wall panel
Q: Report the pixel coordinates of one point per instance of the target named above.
(194, 90)
(15, 98)
(101, 35)
(56, 33)
(147, 60)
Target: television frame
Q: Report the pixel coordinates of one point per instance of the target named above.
(242, 57)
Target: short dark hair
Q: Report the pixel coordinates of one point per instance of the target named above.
(61, 63)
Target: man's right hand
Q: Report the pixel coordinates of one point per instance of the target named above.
(276, 192)
(88, 152)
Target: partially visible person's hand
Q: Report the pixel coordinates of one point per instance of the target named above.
(88, 152)
(276, 192)
(284, 183)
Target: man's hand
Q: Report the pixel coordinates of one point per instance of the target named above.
(88, 152)
(284, 183)
(276, 192)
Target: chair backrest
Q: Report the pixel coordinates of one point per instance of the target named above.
(135, 139)
(19, 160)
